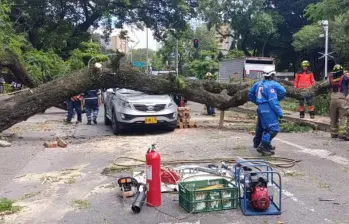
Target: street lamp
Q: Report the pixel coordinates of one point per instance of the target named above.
(177, 57)
(324, 24)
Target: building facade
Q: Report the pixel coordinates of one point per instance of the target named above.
(118, 44)
(224, 42)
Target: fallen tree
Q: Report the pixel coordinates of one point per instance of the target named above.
(10, 61)
(222, 96)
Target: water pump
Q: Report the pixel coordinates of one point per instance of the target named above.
(259, 197)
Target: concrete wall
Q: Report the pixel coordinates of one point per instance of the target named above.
(228, 67)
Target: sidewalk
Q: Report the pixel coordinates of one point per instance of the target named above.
(319, 122)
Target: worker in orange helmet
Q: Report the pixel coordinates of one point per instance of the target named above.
(304, 80)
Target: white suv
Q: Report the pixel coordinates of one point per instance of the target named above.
(127, 108)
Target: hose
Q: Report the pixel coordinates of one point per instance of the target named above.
(275, 161)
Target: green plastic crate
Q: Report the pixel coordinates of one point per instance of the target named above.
(194, 200)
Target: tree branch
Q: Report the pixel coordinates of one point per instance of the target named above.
(9, 60)
(223, 96)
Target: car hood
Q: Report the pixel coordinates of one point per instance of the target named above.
(142, 98)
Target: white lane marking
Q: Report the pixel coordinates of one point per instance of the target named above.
(290, 195)
(322, 153)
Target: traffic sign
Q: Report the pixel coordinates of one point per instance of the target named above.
(138, 64)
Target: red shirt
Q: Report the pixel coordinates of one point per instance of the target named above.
(76, 98)
(304, 80)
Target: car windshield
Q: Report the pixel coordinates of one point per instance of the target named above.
(129, 92)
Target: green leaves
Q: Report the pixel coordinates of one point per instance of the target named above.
(263, 24)
(199, 68)
(8, 36)
(44, 66)
(308, 38)
(87, 51)
(180, 82)
(192, 62)
(326, 9)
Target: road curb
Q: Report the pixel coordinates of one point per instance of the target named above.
(315, 124)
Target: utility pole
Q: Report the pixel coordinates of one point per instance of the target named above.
(147, 55)
(326, 46)
(324, 24)
(177, 56)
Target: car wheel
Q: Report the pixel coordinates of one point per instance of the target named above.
(115, 125)
(106, 119)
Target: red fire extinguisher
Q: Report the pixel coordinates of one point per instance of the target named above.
(153, 172)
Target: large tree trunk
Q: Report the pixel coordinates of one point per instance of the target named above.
(9, 60)
(223, 96)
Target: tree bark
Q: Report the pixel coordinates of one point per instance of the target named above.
(222, 96)
(9, 60)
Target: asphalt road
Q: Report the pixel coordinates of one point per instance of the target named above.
(48, 182)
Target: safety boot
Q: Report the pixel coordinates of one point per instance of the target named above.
(94, 121)
(266, 150)
(312, 114)
(256, 144)
(301, 114)
(66, 121)
(89, 123)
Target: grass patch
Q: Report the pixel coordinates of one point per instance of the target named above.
(289, 104)
(31, 195)
(240, 148)
(81, 204)
(322, 104)
(70, 181)
(288, 127)
(115, 169)
(324, 185)
(346, 169)
(7, 207)
(292, 173)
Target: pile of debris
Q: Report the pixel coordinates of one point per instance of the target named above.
(59, 142)
(184, 118)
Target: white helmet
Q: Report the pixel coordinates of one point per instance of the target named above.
(268, 74)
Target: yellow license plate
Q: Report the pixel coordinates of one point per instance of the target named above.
(151, 120)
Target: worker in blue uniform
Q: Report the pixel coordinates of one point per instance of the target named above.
(266, 95)
(92, 101)
(74, 105)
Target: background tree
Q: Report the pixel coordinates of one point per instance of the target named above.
(141, 54)
(62, 25)
(192, 61)
(263, 27)
(337, 13)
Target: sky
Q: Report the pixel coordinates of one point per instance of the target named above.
(138, 36)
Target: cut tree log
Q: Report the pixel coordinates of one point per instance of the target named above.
(222, 96)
